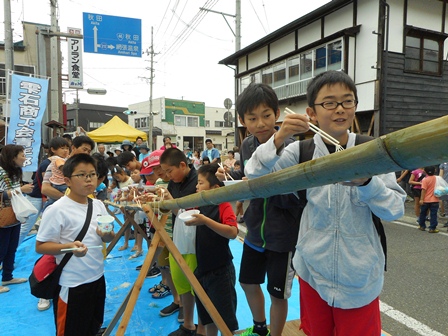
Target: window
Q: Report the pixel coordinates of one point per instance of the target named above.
(143, 122)
(266, 77)
(423, 51)
(293, 70)
(192, 121)
(290, 77)
(207, 123)
(137, 123)
(279, 74)
(306, 65)
(94, 124)
(244, 83)
(334, 53)
(180, 120)
(320, 60)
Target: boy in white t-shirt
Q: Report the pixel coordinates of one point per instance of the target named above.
(79, 307)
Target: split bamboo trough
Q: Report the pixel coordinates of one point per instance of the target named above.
(416, 146)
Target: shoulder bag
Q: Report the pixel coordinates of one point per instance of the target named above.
(7, 215)
(44, 279)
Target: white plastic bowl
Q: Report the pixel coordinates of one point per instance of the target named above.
(150, 188)
(186, 216)
(231, 182)
(105, 223)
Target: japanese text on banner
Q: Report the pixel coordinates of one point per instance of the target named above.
(28, 104)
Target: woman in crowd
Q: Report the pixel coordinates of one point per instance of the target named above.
(11, 162)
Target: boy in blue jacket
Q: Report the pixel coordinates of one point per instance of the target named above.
(339, 257)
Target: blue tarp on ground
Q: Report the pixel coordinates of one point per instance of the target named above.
(19, 314)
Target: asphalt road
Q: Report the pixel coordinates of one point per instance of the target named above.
(417, 278)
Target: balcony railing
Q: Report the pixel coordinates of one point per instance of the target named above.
(294, 89)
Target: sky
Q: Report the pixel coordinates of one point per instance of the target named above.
(188, 45)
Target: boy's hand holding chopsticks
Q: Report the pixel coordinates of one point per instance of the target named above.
(292, 124)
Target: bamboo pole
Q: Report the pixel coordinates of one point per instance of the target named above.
(423, 144)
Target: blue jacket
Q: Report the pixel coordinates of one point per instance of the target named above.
(338, 250)
(214, 154)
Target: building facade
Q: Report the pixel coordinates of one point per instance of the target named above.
(187, 123)
(394, 50)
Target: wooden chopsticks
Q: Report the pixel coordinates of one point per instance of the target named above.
(323, 134)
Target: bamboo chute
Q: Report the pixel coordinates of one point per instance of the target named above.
(420, 145)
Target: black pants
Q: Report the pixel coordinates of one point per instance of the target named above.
(84, 313)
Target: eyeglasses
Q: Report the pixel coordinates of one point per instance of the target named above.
(331, 105)
(86, 176)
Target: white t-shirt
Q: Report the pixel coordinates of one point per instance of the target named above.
(61, 223)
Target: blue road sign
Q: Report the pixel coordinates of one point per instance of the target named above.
(112, 35)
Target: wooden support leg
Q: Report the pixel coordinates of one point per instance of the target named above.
(198, 290)
(136, 289)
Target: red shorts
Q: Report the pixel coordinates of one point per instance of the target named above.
(320, 319)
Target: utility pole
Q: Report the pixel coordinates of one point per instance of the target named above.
(55, 106)
(238, 25)
(9, 44)
(151, 82)
(237, 34)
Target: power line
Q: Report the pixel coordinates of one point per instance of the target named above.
(187, 31)
(258, 17)
(265, 14)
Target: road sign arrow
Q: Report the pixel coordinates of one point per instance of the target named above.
(110, 46)
(95, 38)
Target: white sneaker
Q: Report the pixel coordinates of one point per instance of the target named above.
(43, 304)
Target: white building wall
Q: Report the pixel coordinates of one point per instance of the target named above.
(445, 46)
(258, 57)
(309, 34)
(351, 57)
(341, 19)
(396, 26)
(366, 41)
(242, 64)
(366, 96)
(223, 140)
(283, 46)
(431, 20)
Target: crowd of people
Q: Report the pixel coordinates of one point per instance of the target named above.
(337, 253)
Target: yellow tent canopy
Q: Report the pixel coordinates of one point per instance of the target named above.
(116, 130)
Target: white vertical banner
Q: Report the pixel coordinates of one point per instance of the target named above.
(75, 78)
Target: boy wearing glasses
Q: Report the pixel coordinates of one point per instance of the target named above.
(79, 307)
(339, 257)
(80, 144)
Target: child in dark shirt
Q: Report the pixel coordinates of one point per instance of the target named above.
(216, 224)
(183, 181)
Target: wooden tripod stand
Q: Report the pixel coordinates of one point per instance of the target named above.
(129, 302)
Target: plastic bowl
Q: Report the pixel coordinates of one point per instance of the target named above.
(231, 182)
(105, 223)
(150, 188)
(186, 216)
